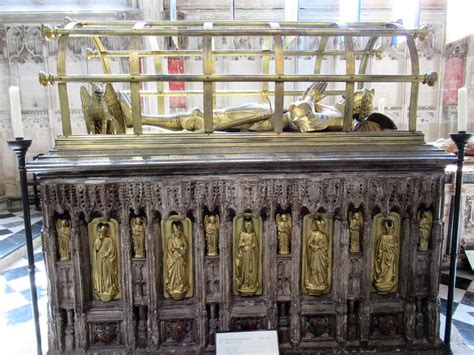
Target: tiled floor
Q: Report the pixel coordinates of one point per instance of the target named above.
(17, 329)
(12, 233)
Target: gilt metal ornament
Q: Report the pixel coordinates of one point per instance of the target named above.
(248, 255)
(105, 259)
(177, 257)
(386, 253)
(317, 254)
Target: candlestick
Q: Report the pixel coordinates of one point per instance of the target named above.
(15, 112)
(381, 108)
(20, 147)
(462, 110)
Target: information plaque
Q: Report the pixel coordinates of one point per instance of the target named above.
(262, 342)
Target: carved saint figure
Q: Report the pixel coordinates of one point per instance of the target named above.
(284, 233)
(425, 224)
(246, 260)
(63, 230)
(317, 259)
(355, 228)
(105, 266)
(176, 283)
(138, 236)
(386, 258)
(211, 225)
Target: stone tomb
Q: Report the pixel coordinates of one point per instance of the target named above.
(333, 239)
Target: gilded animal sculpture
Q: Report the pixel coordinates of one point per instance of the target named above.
(138, 225)
(284, 225)
(304, 115)
(356, 222)
(177, 255)
(386, 253)
(317, 254)
(247, 256)
(211, 226)
(63, 230)
(102, 110)
(103, 238)
(425, 223)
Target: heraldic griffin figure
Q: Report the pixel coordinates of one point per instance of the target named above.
(102, 111)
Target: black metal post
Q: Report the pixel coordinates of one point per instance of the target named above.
(20, 147)
(461, 139)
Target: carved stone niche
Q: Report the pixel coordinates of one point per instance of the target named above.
(318, 328)
(213, 283)
(422, 272)
(284, 277)
(65, 283)
(105, 334)
(139, 281)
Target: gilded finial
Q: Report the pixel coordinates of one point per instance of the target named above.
(431, 78)
(422, 32)
(378, 53)
(45, 79)
(92, 53)
(49, 32)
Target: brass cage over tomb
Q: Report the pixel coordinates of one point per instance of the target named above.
(273, 46)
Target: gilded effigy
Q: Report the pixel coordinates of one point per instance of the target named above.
(305, 211)
(356, 223)
(425, 223)
(105, 259)
(317, 254)
(177, 258)
(248, 251)
(138, 226)
(211, 225)
(386, 253)
(284, 228)
(63, 230)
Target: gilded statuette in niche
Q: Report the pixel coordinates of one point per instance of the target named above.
(317, 254)
(283, 222)
(105, 257)
(211, 226)
(177, 257)
(425, 223)
(386, 254)
(138, 225)
(247, 250)
(356, 223)
(63, 230)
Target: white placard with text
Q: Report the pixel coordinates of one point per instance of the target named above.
(261, 342)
